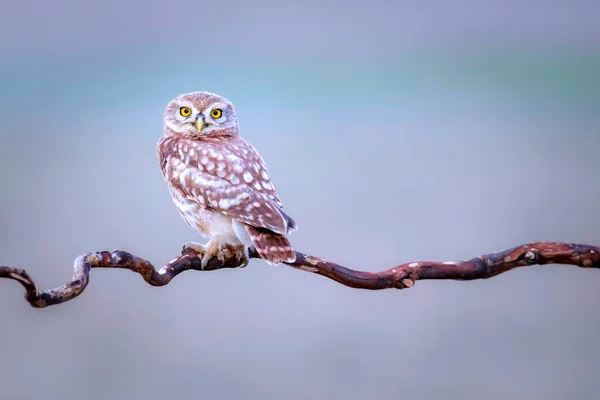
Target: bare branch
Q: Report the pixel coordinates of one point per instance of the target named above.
(400, 277)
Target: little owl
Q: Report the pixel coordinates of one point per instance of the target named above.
(219, 182)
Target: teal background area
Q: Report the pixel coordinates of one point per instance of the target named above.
(393, 131)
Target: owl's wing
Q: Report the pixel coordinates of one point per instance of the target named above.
(229, 177)
(237, 199)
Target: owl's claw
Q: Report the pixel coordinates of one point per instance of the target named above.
(239, 252)
(241, 255)
(197, 247)
(208, 251)
(221, 252)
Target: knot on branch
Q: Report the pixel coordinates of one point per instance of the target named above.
(532, 256)
(120, 258)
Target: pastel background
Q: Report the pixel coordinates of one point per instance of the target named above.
(394, 132)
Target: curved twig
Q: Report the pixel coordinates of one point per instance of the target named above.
(400, 277)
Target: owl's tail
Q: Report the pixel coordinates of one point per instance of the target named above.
(271, 247)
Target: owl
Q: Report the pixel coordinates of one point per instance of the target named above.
(219, 182)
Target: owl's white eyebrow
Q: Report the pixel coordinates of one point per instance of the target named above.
(188, 105)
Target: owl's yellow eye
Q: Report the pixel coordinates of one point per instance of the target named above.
(185, 112)
(216, 113)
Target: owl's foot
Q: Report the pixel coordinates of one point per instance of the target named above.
(239, 252)
(208, 251)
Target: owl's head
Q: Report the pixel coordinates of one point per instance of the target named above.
(198, 114)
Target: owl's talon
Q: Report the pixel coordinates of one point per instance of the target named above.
(197, 247)
(242, 257)
(208, 251)
(212, 249)
(237, 252)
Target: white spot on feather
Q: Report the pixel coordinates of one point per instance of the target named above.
(413, 264)
(267, 185)
(248, 177)
(224, 204)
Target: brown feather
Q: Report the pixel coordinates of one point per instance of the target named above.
(271, 247)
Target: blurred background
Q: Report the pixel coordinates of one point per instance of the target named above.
(394, 132)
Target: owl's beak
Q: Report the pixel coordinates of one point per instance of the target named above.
(200, 122)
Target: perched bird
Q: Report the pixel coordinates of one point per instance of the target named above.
(219, 182)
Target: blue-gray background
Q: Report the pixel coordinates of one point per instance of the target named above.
(394, 131)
